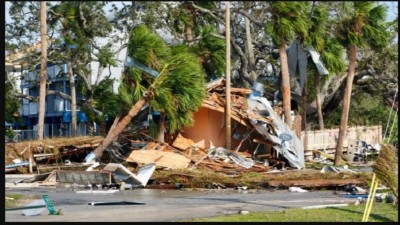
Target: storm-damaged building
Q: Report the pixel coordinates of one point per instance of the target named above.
(257, 127)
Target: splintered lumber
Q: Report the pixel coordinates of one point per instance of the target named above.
(243, 91)
(216, 98)
(168, 159)
(212, 105)
(315, 183)
(90, 145)
(216, 83)
(260, 118)
(182, 142)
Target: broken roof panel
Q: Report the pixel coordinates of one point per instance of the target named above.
(293, 149)
(122, 173)
(316, 59)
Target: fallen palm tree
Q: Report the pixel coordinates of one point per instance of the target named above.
(176, 91)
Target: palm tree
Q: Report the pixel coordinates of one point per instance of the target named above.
(364, 27)
(177, 91)
(42, 98)
(198, 33)
(287, 20)
(331, 54)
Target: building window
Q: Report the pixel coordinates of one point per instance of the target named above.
(68, 106)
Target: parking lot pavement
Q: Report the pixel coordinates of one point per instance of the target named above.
(166, 205)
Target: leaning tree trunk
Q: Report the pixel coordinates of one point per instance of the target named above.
(42, 98)
(318, 101)
(285, 87)
(118, 128)
(346, 104)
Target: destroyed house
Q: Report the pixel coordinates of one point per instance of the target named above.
(257, 128)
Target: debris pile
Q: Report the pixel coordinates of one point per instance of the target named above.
(261, 143)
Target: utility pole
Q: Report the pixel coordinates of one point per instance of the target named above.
(228, 77)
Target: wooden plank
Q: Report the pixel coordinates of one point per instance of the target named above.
(215, 83)
(244, 91)
(87, 145)
(151, 146)
(169, 159)
(182, 142)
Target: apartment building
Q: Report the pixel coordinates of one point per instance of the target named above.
(57, 110)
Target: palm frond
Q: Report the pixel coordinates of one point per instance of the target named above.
(365, 26)
(125, 94)
(288, 19)
(377, 15)
(355, 39)
(147, 47)
(386, 168)
(334, 64)
(211, 50)
(362, 7)
(376, 36)
(178, 90)
(332, 56)
(187, 83)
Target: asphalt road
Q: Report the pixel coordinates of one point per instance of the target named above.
(165, 205)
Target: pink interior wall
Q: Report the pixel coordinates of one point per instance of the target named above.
(216, 128)
(199, 132)
(207, 127)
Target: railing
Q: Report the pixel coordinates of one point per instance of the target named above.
(50, 131)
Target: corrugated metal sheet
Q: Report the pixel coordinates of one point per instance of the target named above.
(84, 177)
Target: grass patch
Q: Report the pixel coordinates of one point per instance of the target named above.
(380, 212)
(14, 200)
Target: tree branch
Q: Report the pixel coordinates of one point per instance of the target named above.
(207, 11)
(81, 15)
(250, 17)
(243, 62)
(84, 78)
